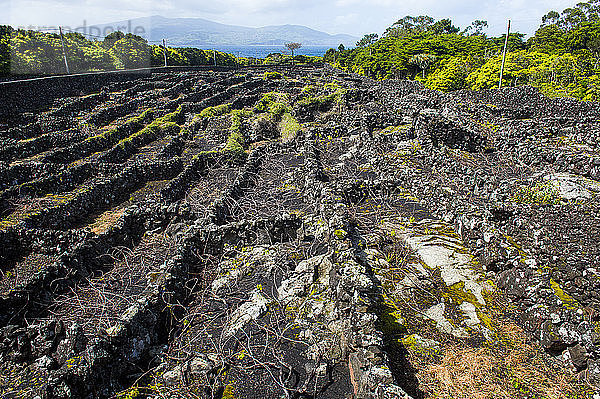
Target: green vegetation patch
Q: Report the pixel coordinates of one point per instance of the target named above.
(175, 116)
(332, 94)
(274, 103)
(568, 301)
(236, 141)
(109, 134)
(560, 59)
(540, 193)
(155, 128)
(289, 127)
(217, 110)
(272, 75)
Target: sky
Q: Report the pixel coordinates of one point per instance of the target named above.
(355, 17)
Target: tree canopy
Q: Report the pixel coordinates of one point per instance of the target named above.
(293, 46)
(562, 58)
(367, 40)
(31, 52)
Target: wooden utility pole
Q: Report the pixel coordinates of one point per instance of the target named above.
(62, 42)
(504, 55)
(215, 57)
(165, 51)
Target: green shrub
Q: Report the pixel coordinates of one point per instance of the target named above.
(541, 193)
(273, 103)
(217, 110)
(289, 127)
(320, 101)
(236, 141)
(272, 75)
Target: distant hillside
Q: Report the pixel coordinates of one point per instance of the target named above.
(202, 32)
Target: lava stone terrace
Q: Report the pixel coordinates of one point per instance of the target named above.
(296, 233)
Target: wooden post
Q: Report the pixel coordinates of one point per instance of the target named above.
(62, 42)
(504, 55)
(165, 51)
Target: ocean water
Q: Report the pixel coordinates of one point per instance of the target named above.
(263, 51)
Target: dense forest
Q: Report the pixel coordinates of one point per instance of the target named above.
(562, 58)
(32, 52)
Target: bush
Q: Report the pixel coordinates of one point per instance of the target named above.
(273, 103)
(272, 75)
(541, 193)
(217, 110)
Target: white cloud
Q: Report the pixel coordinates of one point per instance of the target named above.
(335, 16)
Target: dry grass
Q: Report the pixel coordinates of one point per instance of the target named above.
(106, 220)
(512, 368)
(23, 270)
(24, 208)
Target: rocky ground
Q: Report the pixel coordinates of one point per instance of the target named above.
(299, 234)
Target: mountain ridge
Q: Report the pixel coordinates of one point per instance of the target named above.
(203, 32)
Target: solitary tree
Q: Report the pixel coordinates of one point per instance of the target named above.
(423, 61)
(292, 47)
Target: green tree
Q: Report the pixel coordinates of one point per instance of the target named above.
(573, 17)
(423, 61)
(515, 41)
(5, 34)
(330, 55)
(367, 40)
(562, 58)
(453, 74)
(516, 70)
(112, 38)
(586, 37)
(195, 56)
(548, 39)
(36, 53)
(97, 57)
(29, 52)
(562, 75)
(389, 56)
(476, 28)
(410, 26)
(443, 26)
(174, 57)
(131, 51)
(551, 18)
(592, 88)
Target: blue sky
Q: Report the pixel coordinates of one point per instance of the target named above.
(355, 17)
